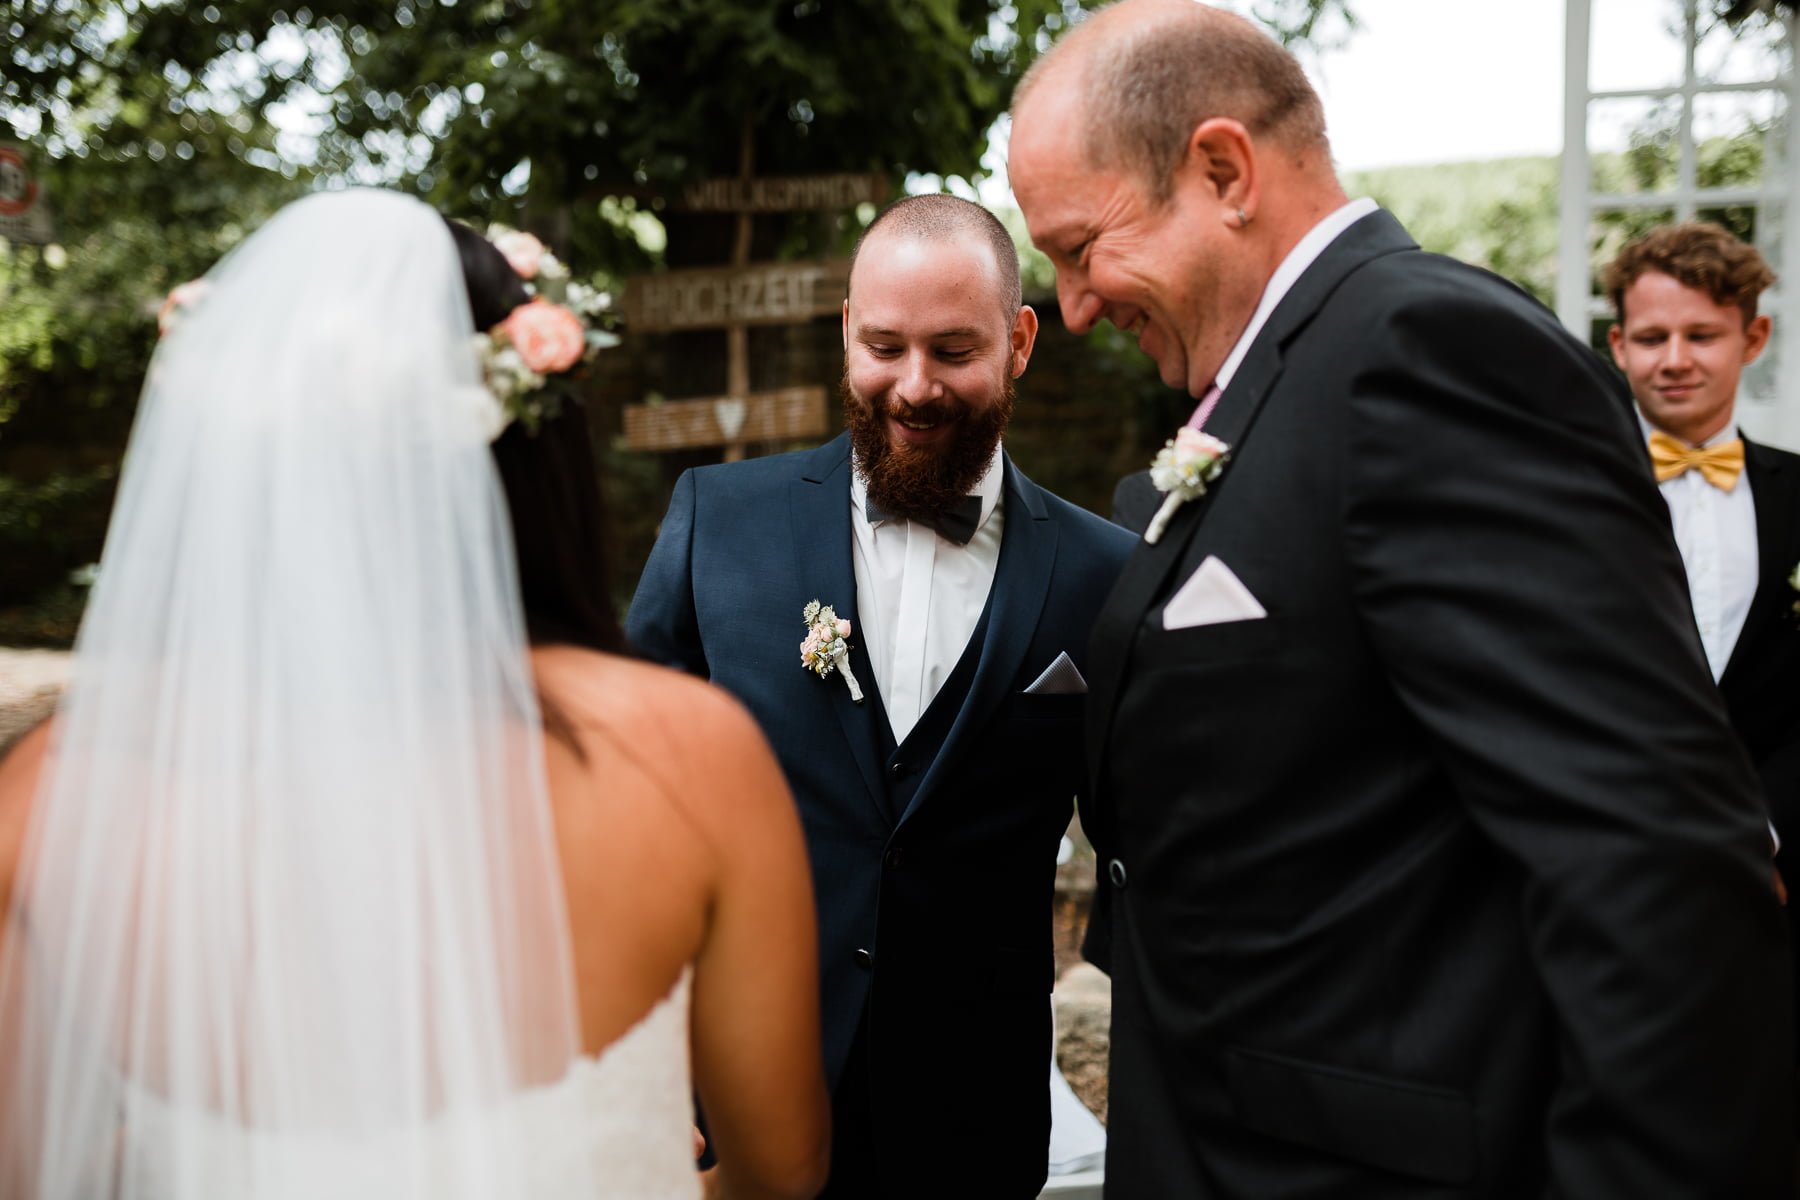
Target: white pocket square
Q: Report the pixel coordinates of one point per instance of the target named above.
(1212, 595)
(1060, 678)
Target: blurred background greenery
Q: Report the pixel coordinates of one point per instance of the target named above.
(163, 132)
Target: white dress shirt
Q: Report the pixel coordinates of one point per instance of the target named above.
(919, 596)
(1305, 252)
(1716, 534)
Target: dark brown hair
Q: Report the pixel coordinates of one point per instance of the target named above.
(552, 486)
(1695, 254)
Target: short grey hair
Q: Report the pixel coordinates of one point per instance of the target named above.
(1146, 89)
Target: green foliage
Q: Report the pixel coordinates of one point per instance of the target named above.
(1739, 11)
(1499, 214)
(1651, 163)
(44, 529)
(1324, 24)
(163, 131)
(1502, 214)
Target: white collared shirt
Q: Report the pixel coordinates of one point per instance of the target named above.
(920, 596)
(1716, 534)
(1305, 252)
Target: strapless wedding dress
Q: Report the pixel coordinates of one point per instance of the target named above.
(617, 1126)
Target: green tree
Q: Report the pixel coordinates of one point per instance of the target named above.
(165, 130)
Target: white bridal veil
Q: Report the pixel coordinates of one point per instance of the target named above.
(290, 921)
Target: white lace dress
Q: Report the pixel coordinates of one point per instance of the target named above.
(621, 1123)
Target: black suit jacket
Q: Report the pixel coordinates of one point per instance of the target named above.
(1447, 878)
(1135, 501)
(933, 862)
(1761, 681)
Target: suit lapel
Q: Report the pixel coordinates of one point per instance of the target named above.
(1021, 585)
(1774, 492)
(819, 516)
(1147, 572)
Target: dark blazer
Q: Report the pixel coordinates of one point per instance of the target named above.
(933, 861)
(1761, 681)
(1447, 878)
(1135, 501)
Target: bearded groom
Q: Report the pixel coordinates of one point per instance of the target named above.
(933, 805)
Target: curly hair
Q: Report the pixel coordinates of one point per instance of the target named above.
(1696, 254)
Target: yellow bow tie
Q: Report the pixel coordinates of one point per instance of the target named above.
(1719, 465)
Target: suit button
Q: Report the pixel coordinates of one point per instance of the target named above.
(893, 858)
(1115, 871)
(863, 958)
(898, 769)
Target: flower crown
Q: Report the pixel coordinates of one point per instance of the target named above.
(551, 333)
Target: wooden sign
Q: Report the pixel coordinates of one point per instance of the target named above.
(793, 193)
(719, 297)
(736, 297)
(796, 412)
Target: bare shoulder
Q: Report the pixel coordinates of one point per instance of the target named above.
(689, 735)
(21, 767)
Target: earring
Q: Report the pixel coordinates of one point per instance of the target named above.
(1243, 218)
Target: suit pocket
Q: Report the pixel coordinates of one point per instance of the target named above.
(1406, 1128)
(1053, 707)
(1222, 642)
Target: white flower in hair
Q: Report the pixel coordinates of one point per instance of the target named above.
(550, 334)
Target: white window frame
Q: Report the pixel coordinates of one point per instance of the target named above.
(1774, 417)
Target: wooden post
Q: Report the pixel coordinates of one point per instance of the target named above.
(737, 334)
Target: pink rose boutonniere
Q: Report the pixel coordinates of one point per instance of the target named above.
(827, 647)
(1181, 470)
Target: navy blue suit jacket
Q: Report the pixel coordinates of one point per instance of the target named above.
(933, 862)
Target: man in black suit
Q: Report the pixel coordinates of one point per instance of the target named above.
(935, 794)
(1686, 298)
(1436, 869)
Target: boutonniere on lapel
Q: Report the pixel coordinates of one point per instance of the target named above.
(827, 648)
(1183, 467)
(1794, 582)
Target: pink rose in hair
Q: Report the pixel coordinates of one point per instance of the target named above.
(547, 336)
(522, 251)
(181, 297)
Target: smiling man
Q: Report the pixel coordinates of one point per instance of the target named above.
(1436, 869)
(935, 803)
(1686, 298)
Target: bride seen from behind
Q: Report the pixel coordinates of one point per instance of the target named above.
(359, 860)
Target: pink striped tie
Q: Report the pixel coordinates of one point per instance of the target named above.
(1204, 410)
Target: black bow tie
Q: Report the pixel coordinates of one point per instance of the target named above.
(956, 524)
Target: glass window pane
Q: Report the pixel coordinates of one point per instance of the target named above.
(1754, 52)
(1758, 384)
(1636, 44)
(1739, 218)
(1634, 144)
(1609, 231)
(1732, 134)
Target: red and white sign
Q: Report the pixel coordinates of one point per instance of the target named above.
(24, 217)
